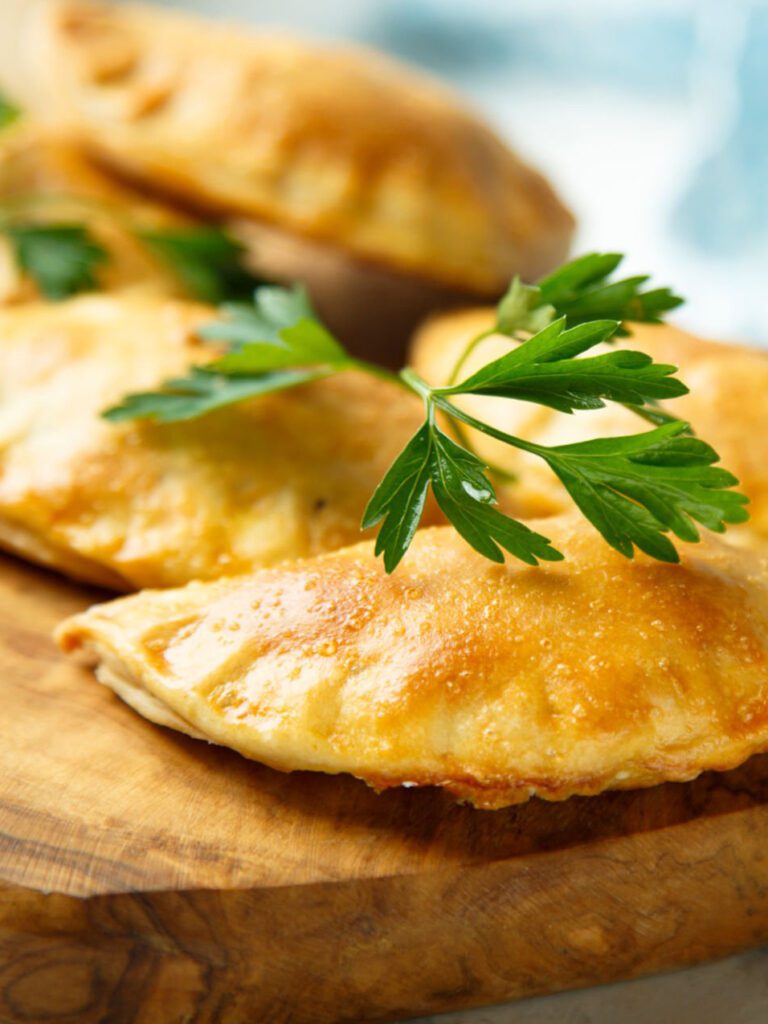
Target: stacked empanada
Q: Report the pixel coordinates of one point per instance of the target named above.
(368, 182)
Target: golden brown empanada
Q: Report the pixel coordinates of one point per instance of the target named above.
(335, 144)
(727, 407)
(495, 682)
(146, 504)
(45, 178)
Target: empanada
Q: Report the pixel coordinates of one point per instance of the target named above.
(726, 406)
(495, 682)
(334, 144)
(146, 504)
(45, 178)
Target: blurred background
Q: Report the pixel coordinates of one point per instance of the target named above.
(650, 116)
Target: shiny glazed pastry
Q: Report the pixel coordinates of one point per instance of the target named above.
(46, 178)
(495, 682)
(145, 504)
(726, 406)
(336, 145)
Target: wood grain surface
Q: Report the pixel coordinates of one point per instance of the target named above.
(146, 878)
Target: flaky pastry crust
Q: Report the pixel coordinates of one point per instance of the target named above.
(494, 682)
(144, 504)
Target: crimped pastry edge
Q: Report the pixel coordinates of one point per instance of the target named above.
(114, 670)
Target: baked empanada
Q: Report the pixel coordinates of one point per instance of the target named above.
(145, 504)
(45, 178)
(727, 406)
(495, 682)
(335, 144)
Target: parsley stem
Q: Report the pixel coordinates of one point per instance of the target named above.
(502, 475)
(376, 371)
(517, 442)
(467, 352)
(414, 382)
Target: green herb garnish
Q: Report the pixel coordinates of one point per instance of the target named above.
(206, 260)
(635, 490)
(62, 259)
(582, 292)
(8, 112)
(275, 344)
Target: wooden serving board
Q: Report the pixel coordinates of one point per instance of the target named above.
(146, 878)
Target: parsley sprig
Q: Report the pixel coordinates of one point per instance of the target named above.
(208, 262)
(275, 344)
(64, 258)
(463, 492)
(9, 112)
(635, 490)
(582, 291)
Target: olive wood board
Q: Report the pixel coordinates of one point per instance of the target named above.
(146, 878)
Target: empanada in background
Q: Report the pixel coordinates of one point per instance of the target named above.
(344, 170)
(727, 406)
(46, 178)
(144, 504)
(495, 682)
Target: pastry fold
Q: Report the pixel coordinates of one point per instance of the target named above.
(146, 504)
(494, 682)
(337, 144)
(726, 406)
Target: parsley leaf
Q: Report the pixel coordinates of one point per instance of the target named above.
(275, 344)
(467, 498)
(634, 488)
(273, 309)
(201, 392)
(206, 260)
(61, 258)
(306, 343)
(400, 497)
(581, 291)
(8, 112)
(281, 329)
(522, 310)
(543, 370)
(463, 492)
